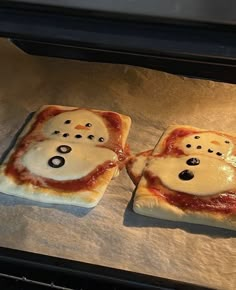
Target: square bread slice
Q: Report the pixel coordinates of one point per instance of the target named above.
(66, 155)
(190, 177)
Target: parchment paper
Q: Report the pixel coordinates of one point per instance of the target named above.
(112, 234)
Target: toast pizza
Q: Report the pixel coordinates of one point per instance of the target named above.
(190, 177)
(66, 155)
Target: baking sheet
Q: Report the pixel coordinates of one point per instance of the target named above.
(112, 234)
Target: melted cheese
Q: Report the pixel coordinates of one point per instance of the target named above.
(211, 176)
(78, 163)
(202, 142)
(78, 119)
(138, 165)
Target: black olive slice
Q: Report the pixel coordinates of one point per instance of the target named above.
(78, 136)
(91, 137)
(199, 147)
(88, 125)
(197, 137)
(67, 122)
(186, 175)
(101, 139)
(193, 161)
(56, 132)
(219, 153)
(65, 135)
(64, 149)
(56, 161)
(210, 150)
(188, 145)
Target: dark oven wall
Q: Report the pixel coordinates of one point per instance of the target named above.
(178, 41)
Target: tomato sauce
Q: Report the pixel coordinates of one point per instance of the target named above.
(169, 143)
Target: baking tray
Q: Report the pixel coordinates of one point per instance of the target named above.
(34, 271)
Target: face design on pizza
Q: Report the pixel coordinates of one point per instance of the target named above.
(80, 126)
(70, 150)
(209, 144)
(204, 171)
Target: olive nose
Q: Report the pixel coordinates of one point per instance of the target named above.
(81, 127)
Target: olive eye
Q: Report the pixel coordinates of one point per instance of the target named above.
(88, 125)
(67, 122)
(227, 142)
